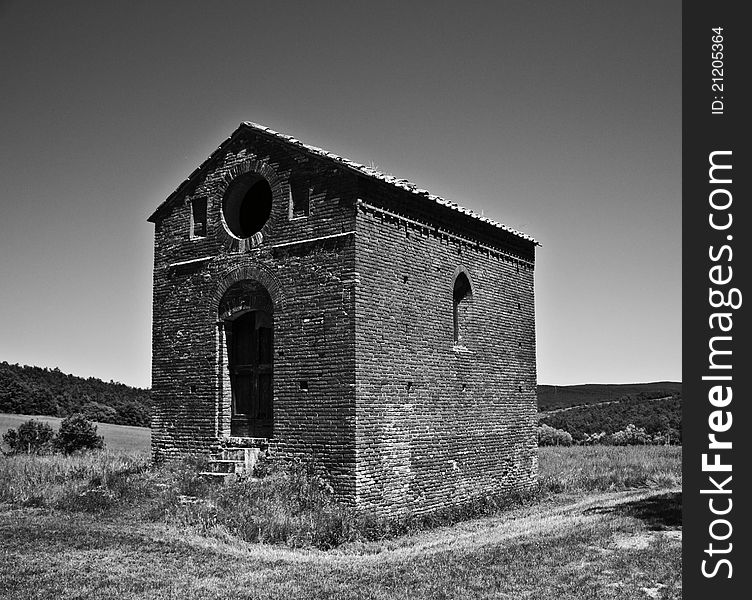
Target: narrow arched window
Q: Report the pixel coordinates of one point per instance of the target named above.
(462, 296)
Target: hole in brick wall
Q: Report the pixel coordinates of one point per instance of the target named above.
(303, 386)
(198, 218)
(300, 197)
(192, 389)
(247, 205)
(404, 279)
(519, 305)
(281, 353)
(409, 386)
(520, 388)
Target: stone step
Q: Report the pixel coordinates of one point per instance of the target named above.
(234, 461)
(224, 466)
(247, 442)
(236, 454)
(219, 477)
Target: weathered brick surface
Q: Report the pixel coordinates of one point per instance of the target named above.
(403, 417)
(313, 314)
(439, 422)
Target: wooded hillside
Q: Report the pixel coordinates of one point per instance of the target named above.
(657, 416)
(551, 397)
(41, 391)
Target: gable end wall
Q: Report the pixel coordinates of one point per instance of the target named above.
(310, 280)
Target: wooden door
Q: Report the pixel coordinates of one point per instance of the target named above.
(250, 351)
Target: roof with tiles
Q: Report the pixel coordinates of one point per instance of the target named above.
(403, 184)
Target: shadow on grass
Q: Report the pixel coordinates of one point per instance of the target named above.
(659, 512)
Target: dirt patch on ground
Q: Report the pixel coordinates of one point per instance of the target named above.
(636, 541)
(562, 514)
(643, 539)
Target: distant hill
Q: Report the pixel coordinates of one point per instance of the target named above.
(551, 397)
(41, 391)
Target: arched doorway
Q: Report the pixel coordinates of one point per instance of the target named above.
(247, 317)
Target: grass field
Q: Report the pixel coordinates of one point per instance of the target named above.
(607, 524)
(601, 555)
(116, 437)
(603, 468)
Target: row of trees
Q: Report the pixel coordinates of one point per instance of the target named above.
(660, 420)
(631, 435)
(37, 437)
(41, 391)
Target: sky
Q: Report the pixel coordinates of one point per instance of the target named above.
(559, 118)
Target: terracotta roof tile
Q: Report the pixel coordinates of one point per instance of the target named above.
(365, 170)
(396, 181)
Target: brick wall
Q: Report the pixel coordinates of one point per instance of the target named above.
(310, 285)
(439, 422)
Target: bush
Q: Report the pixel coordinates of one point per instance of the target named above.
(549, 436)
(78, 433)
(591, 439)
(31, 437)
(630, 436)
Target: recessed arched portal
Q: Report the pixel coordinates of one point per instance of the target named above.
(246, 315)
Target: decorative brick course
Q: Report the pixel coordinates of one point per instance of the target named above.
(367, 376)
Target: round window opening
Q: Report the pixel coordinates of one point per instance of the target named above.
(247, 205)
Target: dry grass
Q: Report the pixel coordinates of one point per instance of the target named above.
(293, 505)
(47, 480)
(606, 556)
(604, 468)
(117, 529)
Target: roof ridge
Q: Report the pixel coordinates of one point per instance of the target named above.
(399, 182)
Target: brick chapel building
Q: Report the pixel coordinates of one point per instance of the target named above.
(312, 304)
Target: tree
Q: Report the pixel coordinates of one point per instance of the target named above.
(31, 437)
(78, 433)
(549, 436)
(630, 436)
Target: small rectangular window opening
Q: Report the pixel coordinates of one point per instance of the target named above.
(300, 198)
(198, 218)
